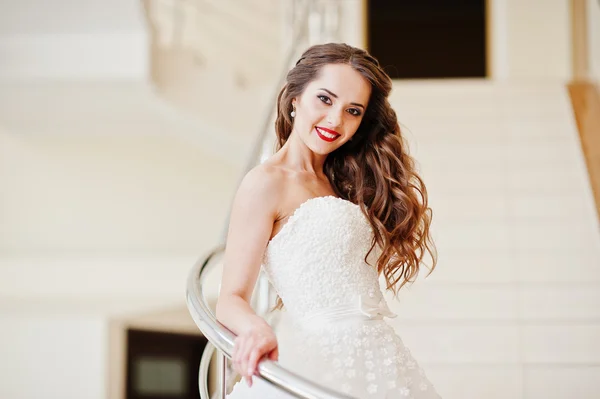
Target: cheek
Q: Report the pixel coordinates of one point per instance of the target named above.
(306, 121)
(353, 123)
(315, 109)
(310, 118)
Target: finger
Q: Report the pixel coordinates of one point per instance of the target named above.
(244, 356)
(274, 355)
(249, 381)
(255, 355)
(235, 354)
(238, 359)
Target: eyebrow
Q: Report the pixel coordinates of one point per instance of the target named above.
(335, 96)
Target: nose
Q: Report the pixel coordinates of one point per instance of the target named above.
(334, 117)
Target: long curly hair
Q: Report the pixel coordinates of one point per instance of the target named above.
(374, 169)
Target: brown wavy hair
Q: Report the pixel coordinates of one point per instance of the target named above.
(374, 169)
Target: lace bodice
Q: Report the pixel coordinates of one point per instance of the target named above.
(337, 336)
(320, 262)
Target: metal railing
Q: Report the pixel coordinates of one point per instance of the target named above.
(311, 21)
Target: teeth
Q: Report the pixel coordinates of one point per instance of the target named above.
(326, 134)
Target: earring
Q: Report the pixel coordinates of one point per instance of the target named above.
(293, 113)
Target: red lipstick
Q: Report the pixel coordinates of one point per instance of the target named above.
(326, 134)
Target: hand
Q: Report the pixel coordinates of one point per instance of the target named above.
(250, 347)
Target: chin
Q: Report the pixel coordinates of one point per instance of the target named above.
(320, 150)
(316, 148)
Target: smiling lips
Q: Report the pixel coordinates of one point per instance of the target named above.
(327, 134)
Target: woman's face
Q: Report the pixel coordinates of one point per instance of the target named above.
(331, 108)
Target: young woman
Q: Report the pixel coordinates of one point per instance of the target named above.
(336, 207)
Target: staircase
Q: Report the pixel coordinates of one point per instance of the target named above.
(216, 59)
(512, 309)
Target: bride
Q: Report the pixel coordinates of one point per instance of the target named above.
(338, 206)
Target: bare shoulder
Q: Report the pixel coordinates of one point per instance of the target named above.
(263, 188)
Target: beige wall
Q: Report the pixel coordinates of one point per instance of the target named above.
(109, 194)
(66, 39)
(538, 39)
(353, 29)
(52, 356)
(88, 215)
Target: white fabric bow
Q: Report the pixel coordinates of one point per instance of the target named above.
(372, 307)
(367, 306)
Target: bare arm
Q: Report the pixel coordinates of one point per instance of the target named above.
(252, 215)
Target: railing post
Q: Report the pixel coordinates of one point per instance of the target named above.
(222, 365)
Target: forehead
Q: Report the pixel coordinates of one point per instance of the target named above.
(343, 80)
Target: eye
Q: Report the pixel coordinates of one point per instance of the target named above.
(354, 111)
(325, 99)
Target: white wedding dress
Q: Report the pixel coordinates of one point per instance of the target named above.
(336, 334)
